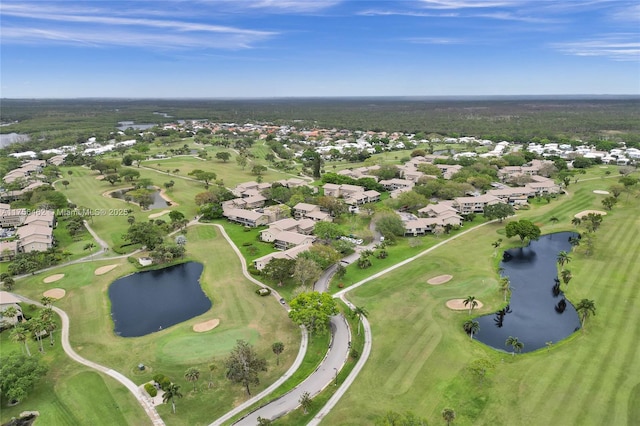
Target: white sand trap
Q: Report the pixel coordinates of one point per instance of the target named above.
(440, 279)
(100, 177)
(104, 269)
(53, 278)
(154, 215)
(458, 305)
(55, 293)
(586, 212)
(206, 326)
(599, 191)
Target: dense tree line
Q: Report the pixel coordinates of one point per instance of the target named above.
(522, 120)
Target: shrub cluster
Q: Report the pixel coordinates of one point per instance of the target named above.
(151, 390)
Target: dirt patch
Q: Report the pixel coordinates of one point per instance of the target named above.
(441, 279)
(55, 293)
(599, 191)
(206, 326)
(586, 212)
(458, 305)
(53, 278)
(104, 269)
(155, 215)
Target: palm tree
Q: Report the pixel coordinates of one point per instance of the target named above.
(471, 302)
(448, 415)
(20, 334)
(585, 309)
(38, 328)
(212, 368)
(277, 348)
(566, 276)
(11, 312)
(8, 283)
(360, 312)
(47, 301)
(554, 219)
(496, 244)
(505, 286)
(172, 392)
(471, 327)
(305, 402)
(192, 375)
(516, 344)
(576, 221)
(563, 258)
(50, 326)
(574, 241)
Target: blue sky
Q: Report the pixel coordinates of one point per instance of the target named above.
(294, 48)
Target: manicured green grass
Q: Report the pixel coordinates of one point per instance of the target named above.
(230, 172)
(69, 394)
(401, 250)
(242, 314)
(420, 353)
(298, 417)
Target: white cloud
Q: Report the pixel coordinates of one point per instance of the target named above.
(94, 26)
(469, 4)
(289, 6)
(619, 47)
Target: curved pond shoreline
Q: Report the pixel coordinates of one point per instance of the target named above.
(532, 314)
(149, 301)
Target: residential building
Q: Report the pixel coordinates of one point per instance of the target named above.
(291, 253)
(246, 217)
(9, 300)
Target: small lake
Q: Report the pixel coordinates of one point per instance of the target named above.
(149, 301)
(532, 315)
(124, 125)
(9, 138)
(158, 201)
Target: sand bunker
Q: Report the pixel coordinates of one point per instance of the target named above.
(55, 293)
(53, 278)
(154, 215)
(206, 326)
(104, 269)
(599, 191)
(440, 279)
(100, 177)
(458, 305)
(586, 212)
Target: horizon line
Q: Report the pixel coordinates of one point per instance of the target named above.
(346, 97)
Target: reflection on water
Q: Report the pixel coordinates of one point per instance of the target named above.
(150, 301)
(537, 312)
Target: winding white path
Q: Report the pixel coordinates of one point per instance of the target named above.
(142, 399)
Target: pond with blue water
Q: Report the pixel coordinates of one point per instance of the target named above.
(149, 301)
(537, 312)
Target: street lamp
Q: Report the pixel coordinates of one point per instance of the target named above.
(336, 382)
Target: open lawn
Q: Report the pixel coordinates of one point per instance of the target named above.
(420, 355)
(242, 314)
(230, 172)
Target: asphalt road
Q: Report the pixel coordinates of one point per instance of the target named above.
(324, 376)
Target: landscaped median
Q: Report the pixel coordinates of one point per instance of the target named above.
(297, 417)
(316, 352)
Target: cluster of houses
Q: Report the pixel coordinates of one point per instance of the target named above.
(25, 231)
(27, 177)
(293, 235)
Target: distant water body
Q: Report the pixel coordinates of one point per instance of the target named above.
(9, 138)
